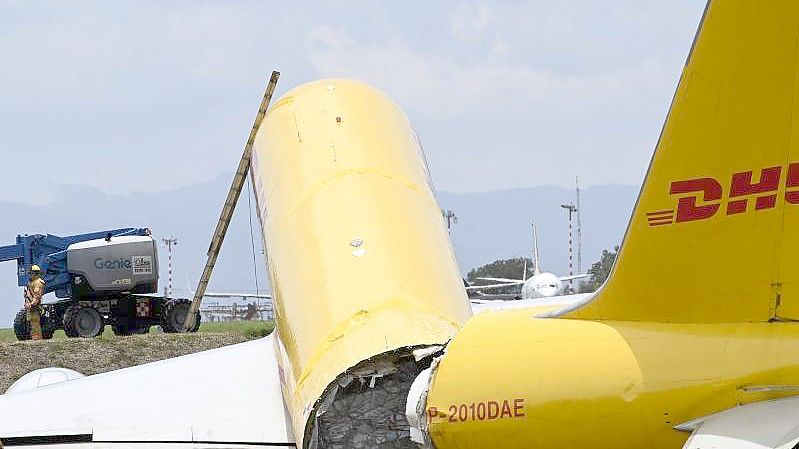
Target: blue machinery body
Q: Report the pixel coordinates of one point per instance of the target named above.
(50, 253)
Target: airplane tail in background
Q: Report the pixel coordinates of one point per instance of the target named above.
(713, 237)
(524, 269)
(536, 258)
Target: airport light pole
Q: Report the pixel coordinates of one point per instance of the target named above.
(452, 220)
(169, 242)
(579, 229)
(572, 209)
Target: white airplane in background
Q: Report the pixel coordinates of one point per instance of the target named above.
(229, 295)
(539, 285)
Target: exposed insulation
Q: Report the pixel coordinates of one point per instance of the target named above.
(366, 407)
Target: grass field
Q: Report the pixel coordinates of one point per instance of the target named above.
(249, 329)
(109, 352)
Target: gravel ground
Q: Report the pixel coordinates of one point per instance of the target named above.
(99, 355)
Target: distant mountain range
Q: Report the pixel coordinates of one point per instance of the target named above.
(490, 225)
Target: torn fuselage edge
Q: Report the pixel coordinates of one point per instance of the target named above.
(396, 381)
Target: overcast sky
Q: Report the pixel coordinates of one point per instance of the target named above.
(149, 96)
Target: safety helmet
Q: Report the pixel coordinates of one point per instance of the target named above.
(35, 269)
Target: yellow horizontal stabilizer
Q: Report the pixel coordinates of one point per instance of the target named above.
(713, 237)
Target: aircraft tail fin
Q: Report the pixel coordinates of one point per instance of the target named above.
(524, 270)
(713, 235)
(536, 257)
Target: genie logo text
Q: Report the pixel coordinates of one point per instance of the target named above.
(702, 198)
(139, 264)
(112, 264)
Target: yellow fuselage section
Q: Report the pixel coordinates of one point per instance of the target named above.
(509, 380)
(359, 259)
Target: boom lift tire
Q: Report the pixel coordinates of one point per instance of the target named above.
(22, 328)
(173, 316)
(82, 321)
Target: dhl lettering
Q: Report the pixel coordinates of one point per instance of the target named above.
(792, 196)
(687, 210)
(480, 411)
(702, 198)
(741, 185)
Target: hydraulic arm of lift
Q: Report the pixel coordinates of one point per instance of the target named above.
(50, 253)
(230, 204)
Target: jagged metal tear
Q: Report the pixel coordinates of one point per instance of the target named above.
(366, 407)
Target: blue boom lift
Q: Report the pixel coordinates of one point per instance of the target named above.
(107, 277)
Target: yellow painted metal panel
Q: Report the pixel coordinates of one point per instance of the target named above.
(711, 236)
(358, 254)
(584, 384)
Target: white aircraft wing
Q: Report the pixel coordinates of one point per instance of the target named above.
(490, 286)
(222, 398)
(506, 280)
(761, 425)
(537, 306)
(576, 276)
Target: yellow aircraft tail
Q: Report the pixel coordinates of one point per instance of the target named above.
(714, 236)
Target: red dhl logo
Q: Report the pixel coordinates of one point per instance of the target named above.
(704, 195)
